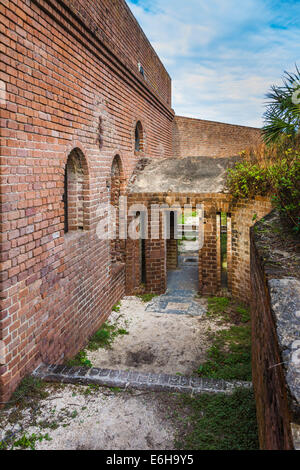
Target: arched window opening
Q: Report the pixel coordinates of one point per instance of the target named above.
(139, 139)
(172, 244)
(74, 180)
(222, 224)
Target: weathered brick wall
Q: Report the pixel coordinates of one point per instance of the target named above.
(113, 22)
(66, 88)
(197, 137)
(272, 402)
(244, 214)
(241, 216)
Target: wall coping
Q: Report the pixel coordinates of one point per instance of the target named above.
(284, 293)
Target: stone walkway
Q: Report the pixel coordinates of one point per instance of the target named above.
(179, 302)
(182, 288)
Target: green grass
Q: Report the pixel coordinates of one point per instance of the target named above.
(146, 297)
(181, 218)
(29, 391)
(104, 337)
(217, 305)
(24, 442)
(244, 312)
(116, 307)
(220, 422)
(229, 356)
(80, 360)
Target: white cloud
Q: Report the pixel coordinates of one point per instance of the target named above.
(222, 55)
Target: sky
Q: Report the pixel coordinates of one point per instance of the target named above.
(222, 55)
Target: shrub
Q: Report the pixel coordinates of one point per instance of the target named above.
(277, 177)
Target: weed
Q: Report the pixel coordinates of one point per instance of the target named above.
(80, 360)
(29, 391)
(24, 442)
(230, 355)
(217, 305)
(115, 389)
(220, 422)
(104, 337)
(244, 313)
(146, 297)
(116, 307)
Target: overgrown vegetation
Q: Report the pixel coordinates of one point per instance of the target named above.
(229, 356)
(220, 422)
(273, 168)
(273, 171)
(282, 116)
(30, 390)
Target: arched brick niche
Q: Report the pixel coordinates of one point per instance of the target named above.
(76, 186)
(139, 138)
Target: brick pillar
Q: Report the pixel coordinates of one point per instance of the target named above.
(208, 262)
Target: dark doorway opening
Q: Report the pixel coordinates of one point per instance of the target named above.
(223, 241)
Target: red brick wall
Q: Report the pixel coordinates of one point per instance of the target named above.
(244, 214)
(240, 219)
(113, 22)
(66, 88)
(196, 137)
(272, 401)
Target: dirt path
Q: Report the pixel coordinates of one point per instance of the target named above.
(89, 417)
(157, 342)
(79, 417)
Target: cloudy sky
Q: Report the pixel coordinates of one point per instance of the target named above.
(222, 55)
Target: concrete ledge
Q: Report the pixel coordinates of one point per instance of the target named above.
(136, 380)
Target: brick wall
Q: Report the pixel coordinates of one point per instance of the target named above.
(241, 216)
(196, 137)
(113, 22)
(272, 400)
(71, 83)
(244, 214)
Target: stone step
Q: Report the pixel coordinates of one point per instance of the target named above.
(136, 380)
(179, 302)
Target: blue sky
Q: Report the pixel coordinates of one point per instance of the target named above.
(222, 55)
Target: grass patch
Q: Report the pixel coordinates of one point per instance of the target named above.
(217, 305)
(80, 359)
(30, 390)
(229, 356)
(146, 297)
(116, 307)
(104, 337)
(24, 442)
(227, 310)
(220, 422)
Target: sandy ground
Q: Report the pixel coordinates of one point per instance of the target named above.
(101, 420)
(87, 417)
(156, 342)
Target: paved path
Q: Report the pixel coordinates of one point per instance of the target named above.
(182, 288)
